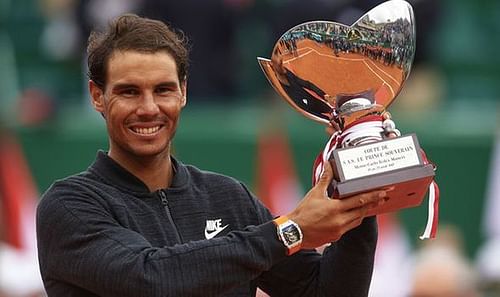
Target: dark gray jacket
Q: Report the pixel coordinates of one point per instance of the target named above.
(103, 233)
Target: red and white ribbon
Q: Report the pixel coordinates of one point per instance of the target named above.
(433, 211)
(323, 157)
(373, 126)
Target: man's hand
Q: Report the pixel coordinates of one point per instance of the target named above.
(323, 220)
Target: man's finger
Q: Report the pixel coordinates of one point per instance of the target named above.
(326, 177)
(362, 200)
(358, 214)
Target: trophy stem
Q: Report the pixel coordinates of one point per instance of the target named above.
(363, 131)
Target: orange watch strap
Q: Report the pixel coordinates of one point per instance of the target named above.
(293, 250)
(280, 220)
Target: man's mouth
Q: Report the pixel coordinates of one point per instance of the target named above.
(145, 131)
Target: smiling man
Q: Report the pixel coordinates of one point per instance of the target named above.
(138, 222)
(141, 103)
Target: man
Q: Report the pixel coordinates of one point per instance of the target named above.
(138, 222)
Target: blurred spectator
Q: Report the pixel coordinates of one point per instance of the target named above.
(60, 25)
(34, 107)
(392, 259)
(491, 223)
(442, 270)
(488, 256)
(92, 14)
(488, 266)
(70, 21)
(19, 272)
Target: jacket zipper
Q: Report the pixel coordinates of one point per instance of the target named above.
(164, 201)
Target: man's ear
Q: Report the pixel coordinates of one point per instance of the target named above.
(184, 93)
(96, 97)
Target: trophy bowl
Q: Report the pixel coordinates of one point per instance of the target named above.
(349, 75)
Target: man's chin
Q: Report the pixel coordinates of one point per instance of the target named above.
(148, 151)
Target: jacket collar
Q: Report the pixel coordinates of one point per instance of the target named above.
(112, 172)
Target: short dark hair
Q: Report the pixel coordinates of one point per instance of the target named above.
(131, 32)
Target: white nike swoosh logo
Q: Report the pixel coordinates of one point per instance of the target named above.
(213, 233)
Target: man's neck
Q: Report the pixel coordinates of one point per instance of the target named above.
(154, 171)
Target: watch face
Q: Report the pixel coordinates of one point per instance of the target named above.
(291, 235)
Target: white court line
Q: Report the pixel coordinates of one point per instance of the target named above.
(299, 56)
(390, 88)
(338, 58)
(381, 70)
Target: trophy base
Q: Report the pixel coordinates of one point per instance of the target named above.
(409, 187)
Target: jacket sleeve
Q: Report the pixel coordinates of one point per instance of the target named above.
(81, 244)
(343, 270)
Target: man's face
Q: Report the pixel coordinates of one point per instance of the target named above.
(141, 103)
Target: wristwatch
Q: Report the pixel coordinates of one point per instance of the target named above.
(289, 234)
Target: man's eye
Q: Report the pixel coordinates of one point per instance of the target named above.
(129, 92)
(164, 91)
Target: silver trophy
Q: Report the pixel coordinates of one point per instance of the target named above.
(349, 75)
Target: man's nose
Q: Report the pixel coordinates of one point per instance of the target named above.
(148, 105)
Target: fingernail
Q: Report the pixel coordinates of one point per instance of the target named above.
(382, 194)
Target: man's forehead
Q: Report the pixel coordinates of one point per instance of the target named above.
(134, 64)
(119, 54)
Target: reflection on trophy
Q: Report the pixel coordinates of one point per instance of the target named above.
(348, 76)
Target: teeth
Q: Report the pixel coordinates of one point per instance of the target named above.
(146, 131)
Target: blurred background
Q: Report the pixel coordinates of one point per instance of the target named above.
(235, 124)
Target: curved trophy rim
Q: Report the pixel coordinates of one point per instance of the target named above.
(403, 4)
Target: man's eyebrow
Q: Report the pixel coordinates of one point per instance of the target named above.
(167, 84)
(124, 86)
